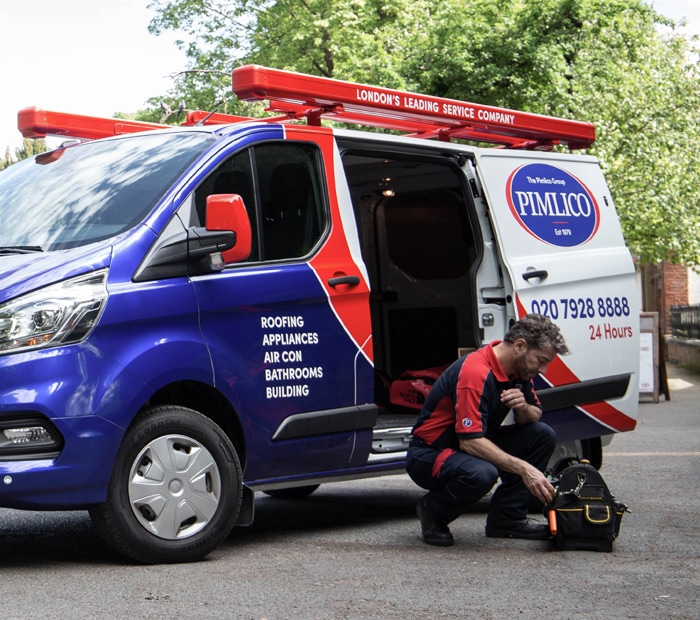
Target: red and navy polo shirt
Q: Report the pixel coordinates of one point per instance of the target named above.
(465, 401)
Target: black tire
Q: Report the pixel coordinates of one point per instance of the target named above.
(293, 492)
(175, 490)
(593, 451)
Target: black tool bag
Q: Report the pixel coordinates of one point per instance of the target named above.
(583, 514)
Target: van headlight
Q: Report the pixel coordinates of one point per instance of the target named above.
(62, 313)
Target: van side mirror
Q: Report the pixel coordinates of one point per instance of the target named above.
(227, 212)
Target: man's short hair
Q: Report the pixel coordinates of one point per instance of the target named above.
(539, 332)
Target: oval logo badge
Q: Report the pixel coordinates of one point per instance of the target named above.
(552, 205)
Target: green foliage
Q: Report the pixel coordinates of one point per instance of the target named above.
(360, 40)
(6, 159)
(28, 149)
(350, 39)
(218, 39)
(615, 63)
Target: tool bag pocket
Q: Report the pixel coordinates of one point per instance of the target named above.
(585, 525)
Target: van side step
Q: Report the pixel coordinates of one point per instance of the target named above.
(391, 440)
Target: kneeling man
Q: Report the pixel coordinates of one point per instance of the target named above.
(459, 447)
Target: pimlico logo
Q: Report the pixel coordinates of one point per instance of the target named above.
(552, 205)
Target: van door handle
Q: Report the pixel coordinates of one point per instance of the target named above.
(538, 273)
(337, 281)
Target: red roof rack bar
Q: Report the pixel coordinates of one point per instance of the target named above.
(394, 109)
(201, 117)
(300, 96)
(37, 123)
(411, 127)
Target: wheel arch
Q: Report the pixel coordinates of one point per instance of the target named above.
(208, 401)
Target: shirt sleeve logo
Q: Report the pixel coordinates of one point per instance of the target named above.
(466, 422)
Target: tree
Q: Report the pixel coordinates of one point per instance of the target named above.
(6, 160)
(28, 149)
(218, 34)
(616, 63)
(353, 39)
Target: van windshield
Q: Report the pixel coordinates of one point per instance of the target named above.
(84, 193)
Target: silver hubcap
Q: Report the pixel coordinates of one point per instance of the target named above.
(174, 487)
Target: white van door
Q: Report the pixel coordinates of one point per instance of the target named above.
(563, 255)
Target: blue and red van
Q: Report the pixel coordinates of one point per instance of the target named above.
(192, 314)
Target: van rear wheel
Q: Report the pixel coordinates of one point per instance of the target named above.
(175, 491)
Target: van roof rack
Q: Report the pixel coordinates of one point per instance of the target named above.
(295, 96)
(38, 123)
(300, 95)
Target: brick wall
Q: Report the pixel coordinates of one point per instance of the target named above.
(683, 352)
(665, 285)
(675, 291)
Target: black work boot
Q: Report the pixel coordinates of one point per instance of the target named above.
(433, 533)
(498, 527)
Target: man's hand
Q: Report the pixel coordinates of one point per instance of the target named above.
(522, 410)
(537, 483)
(513, 398)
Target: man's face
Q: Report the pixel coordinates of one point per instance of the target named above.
(529, 362)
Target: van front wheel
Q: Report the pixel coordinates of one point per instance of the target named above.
(175, 491)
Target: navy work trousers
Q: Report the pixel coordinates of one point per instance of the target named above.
(463, 480)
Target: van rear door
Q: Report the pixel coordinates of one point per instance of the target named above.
(562, 249)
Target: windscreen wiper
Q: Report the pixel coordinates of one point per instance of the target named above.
(20, 249)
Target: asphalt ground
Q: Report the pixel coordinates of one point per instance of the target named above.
(352, 551)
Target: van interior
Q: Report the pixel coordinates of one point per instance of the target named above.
(421, 249)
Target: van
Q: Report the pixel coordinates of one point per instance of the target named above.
(192, 314)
